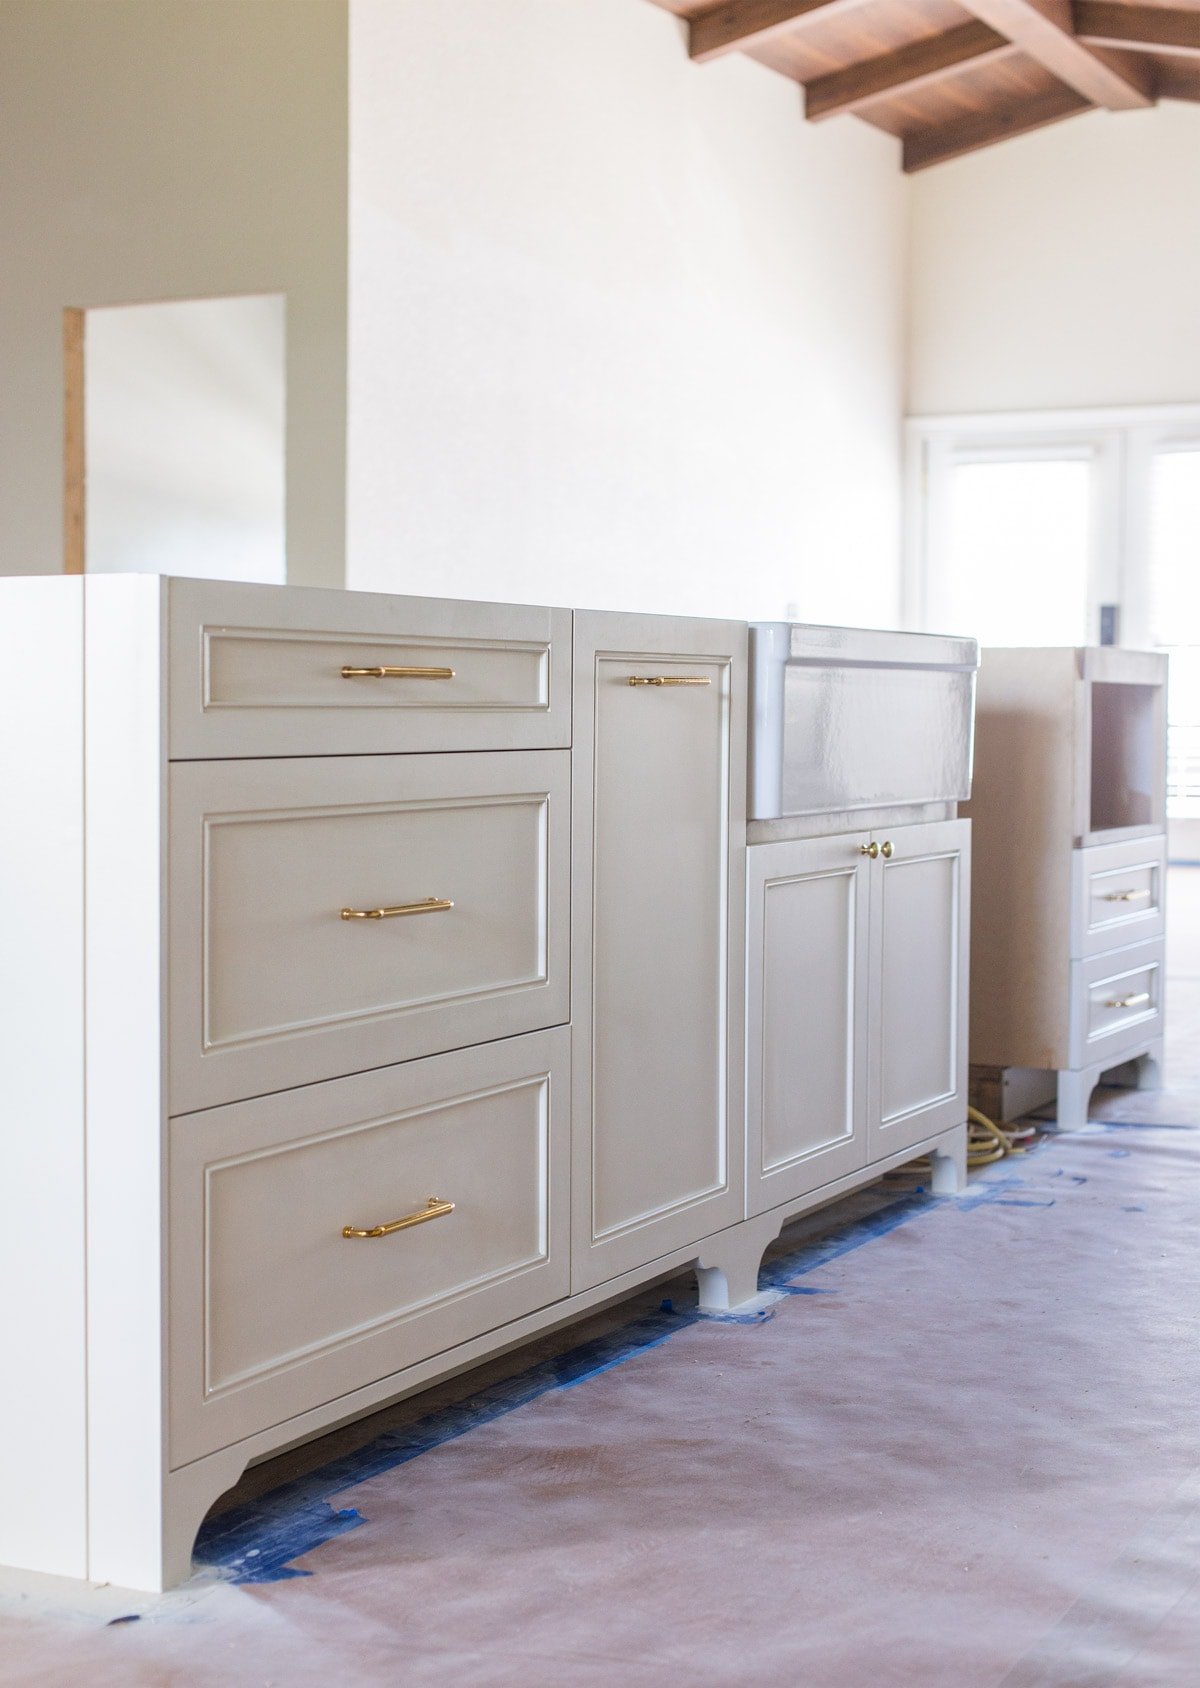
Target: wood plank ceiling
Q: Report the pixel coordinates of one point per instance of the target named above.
(950, 76)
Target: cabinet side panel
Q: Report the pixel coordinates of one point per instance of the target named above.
(1022, 813)
(125, 775)
(43, 1472)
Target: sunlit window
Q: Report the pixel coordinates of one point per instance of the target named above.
(1015, 551)
(1174, 571)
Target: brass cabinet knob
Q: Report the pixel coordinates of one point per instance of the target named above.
(887, 850)
(871, 849)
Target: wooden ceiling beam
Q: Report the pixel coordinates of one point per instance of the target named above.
(1045, 30)
(744, 23)
(926, 147)
(1179, 79)
(915, 66)
(1156, 29)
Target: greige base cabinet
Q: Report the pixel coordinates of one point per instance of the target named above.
(857, 1002)
(403, 1017)
(1070, 859)
(657, 955)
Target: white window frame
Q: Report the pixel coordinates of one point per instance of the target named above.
(1121, 440)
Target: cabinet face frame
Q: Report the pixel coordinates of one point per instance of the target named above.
(653, 645)
(946, 993)
(780, 871)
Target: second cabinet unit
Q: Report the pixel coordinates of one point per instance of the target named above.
(1068, 917)
(857, 958)
(657, 954)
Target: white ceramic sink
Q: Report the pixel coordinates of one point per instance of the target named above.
(847, 718)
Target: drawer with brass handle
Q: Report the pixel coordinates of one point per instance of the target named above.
(1118, 894)
(278, 1304)
(332, 914)
(1116, 998)
(256, 671)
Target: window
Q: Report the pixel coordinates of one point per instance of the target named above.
(1066, 529)
(1173, 592)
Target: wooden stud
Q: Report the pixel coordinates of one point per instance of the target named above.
(1158, 29)
(1045, 30)
(914, 66)
(744, 23)
(74, 458)
(981, 129)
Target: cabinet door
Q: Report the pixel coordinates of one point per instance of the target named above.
(808, 998)
(920, 924)
(657, 953)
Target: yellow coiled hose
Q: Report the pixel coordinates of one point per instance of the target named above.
(988, 1142)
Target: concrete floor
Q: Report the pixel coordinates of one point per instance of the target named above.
(960, 1450)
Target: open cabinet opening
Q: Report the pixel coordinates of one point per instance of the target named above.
(1125, 731)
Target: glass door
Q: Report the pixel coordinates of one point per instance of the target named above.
(1163, 592)
(1021, 543)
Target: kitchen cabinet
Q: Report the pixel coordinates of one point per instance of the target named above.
(657, 956)
(857, 962)
(1068, 918)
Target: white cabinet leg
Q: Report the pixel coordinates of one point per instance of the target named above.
(948, 1163)
(1149, 1067)
(727, 1270)
(1074, 1094)
(153, 1551)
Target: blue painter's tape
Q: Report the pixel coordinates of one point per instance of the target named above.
(259, 1541)
(1095, 1125)
(255, 1543)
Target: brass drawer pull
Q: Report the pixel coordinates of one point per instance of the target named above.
(871, 849)
(397, 673)
(434, 1208)
(1134, 1001)
(431, 905)
(1124, 896)
(670, 680)
(887, 849)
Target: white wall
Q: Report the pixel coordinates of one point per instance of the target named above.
(624, 331)
(1060, 269)
(165, 149)
(184, 438)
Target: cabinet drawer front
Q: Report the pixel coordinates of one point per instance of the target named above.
(271, 986)
(1116, 999)
(275, 1310)
(260, 671)
(1118, 895)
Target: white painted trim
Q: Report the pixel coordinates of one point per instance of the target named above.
(43, 1402)
(1054, 421)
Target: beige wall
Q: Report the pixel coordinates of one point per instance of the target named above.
(154, 149)
(1061, 269)
(624, 331)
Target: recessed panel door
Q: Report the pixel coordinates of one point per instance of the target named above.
(807, 1011)
(659, 828)
(920, 922)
